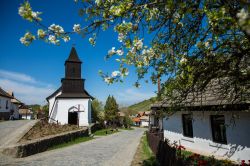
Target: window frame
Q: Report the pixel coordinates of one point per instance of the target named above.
(7, 104)
(216, 129)
(187, 130)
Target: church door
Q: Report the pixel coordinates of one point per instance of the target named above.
(72, 118)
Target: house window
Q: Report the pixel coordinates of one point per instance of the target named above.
(7, 104)
(187, 125)
(218, 129)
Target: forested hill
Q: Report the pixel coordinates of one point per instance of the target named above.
(141, 106)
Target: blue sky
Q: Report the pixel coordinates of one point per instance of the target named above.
(34, 72)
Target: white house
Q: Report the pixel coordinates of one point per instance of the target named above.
(14, 107)
(5, 102)
(8, 106)
(71, 103)
(208, 124)
(144, 121)
(25, 112)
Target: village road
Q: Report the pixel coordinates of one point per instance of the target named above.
(114, 150)
(12, 131)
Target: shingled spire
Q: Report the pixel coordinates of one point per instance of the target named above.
(73, 57)
(73, 65)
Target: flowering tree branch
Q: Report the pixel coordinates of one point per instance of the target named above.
(190, 43)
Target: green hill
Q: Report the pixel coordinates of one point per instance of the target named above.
(141, 106)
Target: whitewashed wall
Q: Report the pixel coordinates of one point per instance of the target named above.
(16, 110)
(3, 104)
(26, 117)
(238, 135)
(52, 100)
(62, 106)
(144, 123)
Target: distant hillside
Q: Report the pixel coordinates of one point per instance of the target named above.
(141, 106)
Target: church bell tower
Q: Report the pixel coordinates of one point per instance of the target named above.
(72, 83)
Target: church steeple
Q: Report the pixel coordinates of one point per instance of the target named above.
(73, 57)
(73, 82)
(73, 65)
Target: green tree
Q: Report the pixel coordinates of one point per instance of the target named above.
(97, 109)
(111, 110)
(189, 43)
(46, 109)
(127, 121)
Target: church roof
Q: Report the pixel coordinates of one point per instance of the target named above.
(54, 93)
(73, 57)
(76, 95)
(85, 94)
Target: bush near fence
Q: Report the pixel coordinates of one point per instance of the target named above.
(174, 155)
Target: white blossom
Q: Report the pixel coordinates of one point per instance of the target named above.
(41, 33)
(120, 52)
(107, 80)
(56, 28)
(207, 44)
(35, 15)
(118, 11)
(53, 39)
(92, 41)
(77, 28)
(183, 60)
(66, 38)
(124, 74)
(98, 2)
(176, 15)
(21, 11)
(180, 23)
(23, 41)
(115, 74)
(138, 44)
(25, 11)
(121, 37)
(112, 51)
(243, 14)
(146, 60)
(27, 38)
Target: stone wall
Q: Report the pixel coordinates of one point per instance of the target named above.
(42, 144)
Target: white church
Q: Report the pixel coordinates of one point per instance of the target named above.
(71, 103)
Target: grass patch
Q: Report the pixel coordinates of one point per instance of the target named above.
(104, 132)
(144, 155)
(72, 142)
(149, 157)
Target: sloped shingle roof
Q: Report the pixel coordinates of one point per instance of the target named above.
(211, 96)
(4, 93)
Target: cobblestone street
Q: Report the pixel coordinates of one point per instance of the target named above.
(117, 149)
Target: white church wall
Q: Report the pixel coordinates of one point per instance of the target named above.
(52, 101)
(238, 144)
(62, 108)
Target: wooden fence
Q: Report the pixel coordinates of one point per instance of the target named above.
(165, 154)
